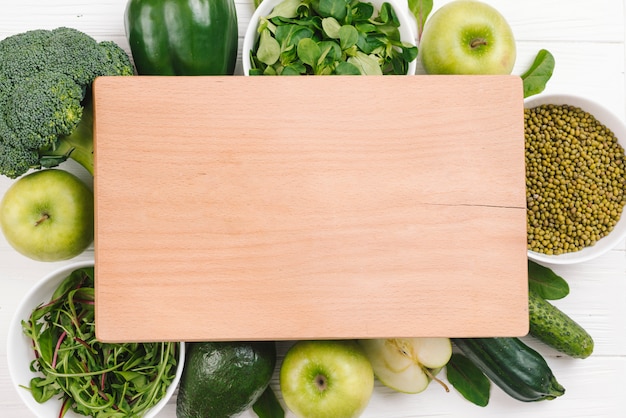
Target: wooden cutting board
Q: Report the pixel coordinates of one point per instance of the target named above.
(269, 208)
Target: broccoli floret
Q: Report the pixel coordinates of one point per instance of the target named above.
(15, 161)
(45, 101)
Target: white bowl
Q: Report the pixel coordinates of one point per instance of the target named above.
(407, 28)
(20, 353)
(615, 124)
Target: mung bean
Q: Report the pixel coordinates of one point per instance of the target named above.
(575, 179)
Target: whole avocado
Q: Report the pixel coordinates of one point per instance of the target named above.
(223, 379)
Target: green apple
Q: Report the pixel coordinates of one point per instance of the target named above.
(407, 364)
(467, 37)
(322, 379)
(48, 215)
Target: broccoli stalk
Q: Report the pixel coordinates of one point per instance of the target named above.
(46, 110)
(78, 145)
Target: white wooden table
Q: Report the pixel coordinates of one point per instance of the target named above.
(587, 40)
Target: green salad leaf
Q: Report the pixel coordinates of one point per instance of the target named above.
(539, 73)
(93, 378)
(324, 37)
(545, 282)
(468, 379)
(420, 9)
(267, 406)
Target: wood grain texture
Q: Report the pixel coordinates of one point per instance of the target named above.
(588, 43)
(333, 198)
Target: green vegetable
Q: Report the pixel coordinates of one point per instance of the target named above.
(517, 369)
(420, 9)
(45, 108)
(468, 379)
(322, 37)
(223, 379)
(546, 282)
(537, 76)
(552, 326)
(182, 37)
(93, 378)
(268, 406)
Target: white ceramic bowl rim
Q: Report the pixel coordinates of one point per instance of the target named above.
(19, 355)
(617, 126)
(407, 23)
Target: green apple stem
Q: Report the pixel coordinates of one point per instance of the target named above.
(478, 42)
(43, 218)
(435, 378)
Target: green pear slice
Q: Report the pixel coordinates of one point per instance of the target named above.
(407, 364)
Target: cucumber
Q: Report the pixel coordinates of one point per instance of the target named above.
(517, 369)
(553, 327)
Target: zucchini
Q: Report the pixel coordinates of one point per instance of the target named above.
(553, 327)
(517, 369)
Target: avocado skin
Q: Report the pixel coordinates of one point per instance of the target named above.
(223, 379)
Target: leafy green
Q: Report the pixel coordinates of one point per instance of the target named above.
(420, 9)
(267, 406)
(93, 378)
(331, 8)
(545, 282)
(270, 49)
(468, 379)
(323, 37)
(286, 9)
(539, 73)
(46, 112)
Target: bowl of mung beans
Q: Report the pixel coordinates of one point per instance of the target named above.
(575, 179)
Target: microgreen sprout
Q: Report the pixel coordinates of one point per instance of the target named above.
(93, 378)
